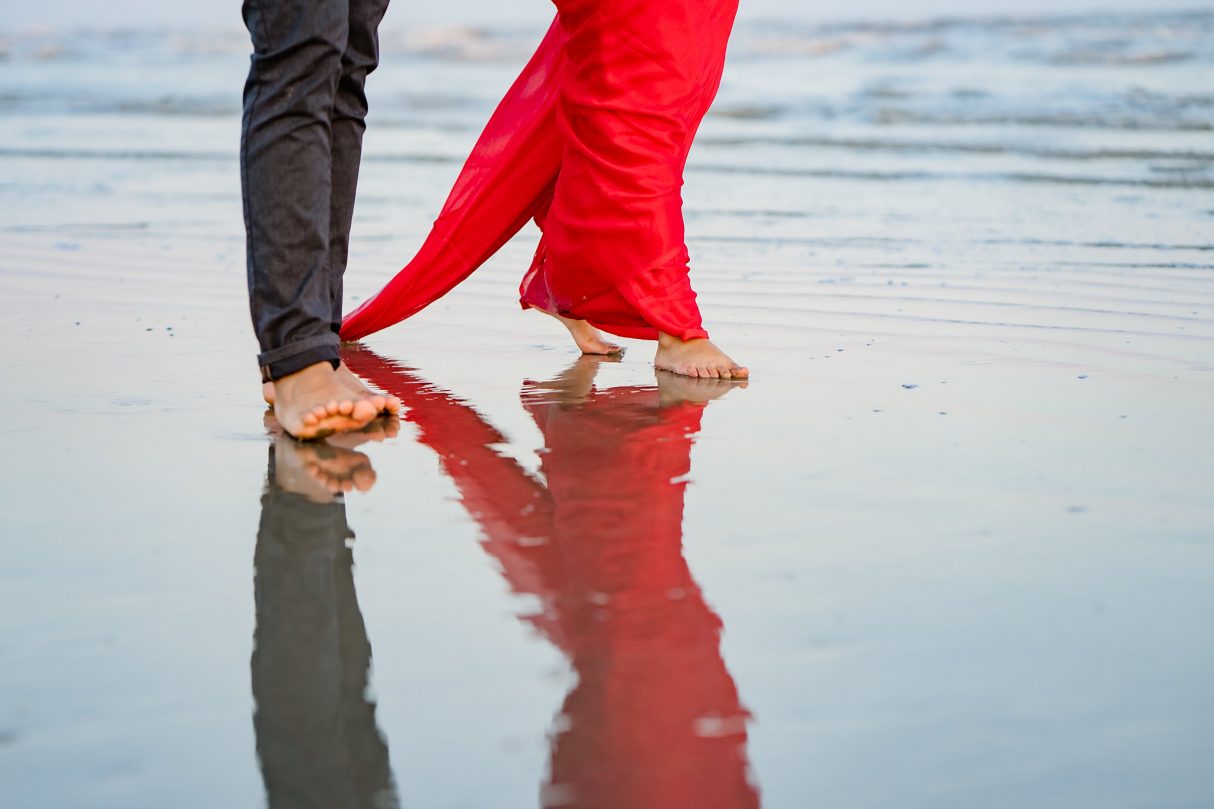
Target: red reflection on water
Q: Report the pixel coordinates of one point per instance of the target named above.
(655, 719)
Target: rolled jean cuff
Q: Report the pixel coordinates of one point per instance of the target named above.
(295, 356)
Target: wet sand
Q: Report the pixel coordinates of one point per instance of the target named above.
(952, 546)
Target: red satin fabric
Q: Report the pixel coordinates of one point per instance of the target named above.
(655, 720)
(591, 143)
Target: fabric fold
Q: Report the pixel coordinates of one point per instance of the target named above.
(590, 142)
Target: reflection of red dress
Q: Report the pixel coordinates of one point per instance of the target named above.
(655, 718)
(590, 141)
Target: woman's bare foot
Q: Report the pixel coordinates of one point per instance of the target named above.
(346, 377)
(313, 403)
(589, 339)
(698, 358)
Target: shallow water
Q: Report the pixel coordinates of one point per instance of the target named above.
(952, 546)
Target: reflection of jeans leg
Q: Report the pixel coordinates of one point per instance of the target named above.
(316, 733)
(286, 177)
(349, 114)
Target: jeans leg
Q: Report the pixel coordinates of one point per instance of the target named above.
(286, 176)
(349, 122)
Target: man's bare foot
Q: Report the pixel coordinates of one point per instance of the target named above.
(346, 377)
(381, 428)
(675, 389)
(589, 339)
(313, 403)
(696, 358)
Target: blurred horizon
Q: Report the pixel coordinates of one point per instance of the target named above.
(58, 14)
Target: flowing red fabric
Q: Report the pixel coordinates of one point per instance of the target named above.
(655, 720)
(590, 142)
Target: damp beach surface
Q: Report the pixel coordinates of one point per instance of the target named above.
(953, 545)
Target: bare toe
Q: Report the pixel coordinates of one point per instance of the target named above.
(363, 410)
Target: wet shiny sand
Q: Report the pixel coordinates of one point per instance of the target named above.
(953, 546)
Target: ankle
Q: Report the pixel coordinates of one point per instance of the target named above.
(315, 372)
(670, 341)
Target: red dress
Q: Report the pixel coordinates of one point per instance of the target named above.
(590, 142)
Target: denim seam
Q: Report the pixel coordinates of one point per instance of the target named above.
(250, 258)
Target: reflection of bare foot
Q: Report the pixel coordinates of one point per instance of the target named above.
(574, 383)
(346, 377)
(589, 339)
(674, 389)
(380, 429)
(318, 470)
(313, 403)
(696, 358)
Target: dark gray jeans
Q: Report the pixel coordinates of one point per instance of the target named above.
(304, 113)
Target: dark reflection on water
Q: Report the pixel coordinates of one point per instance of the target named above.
(655, 719)
(316, 734)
